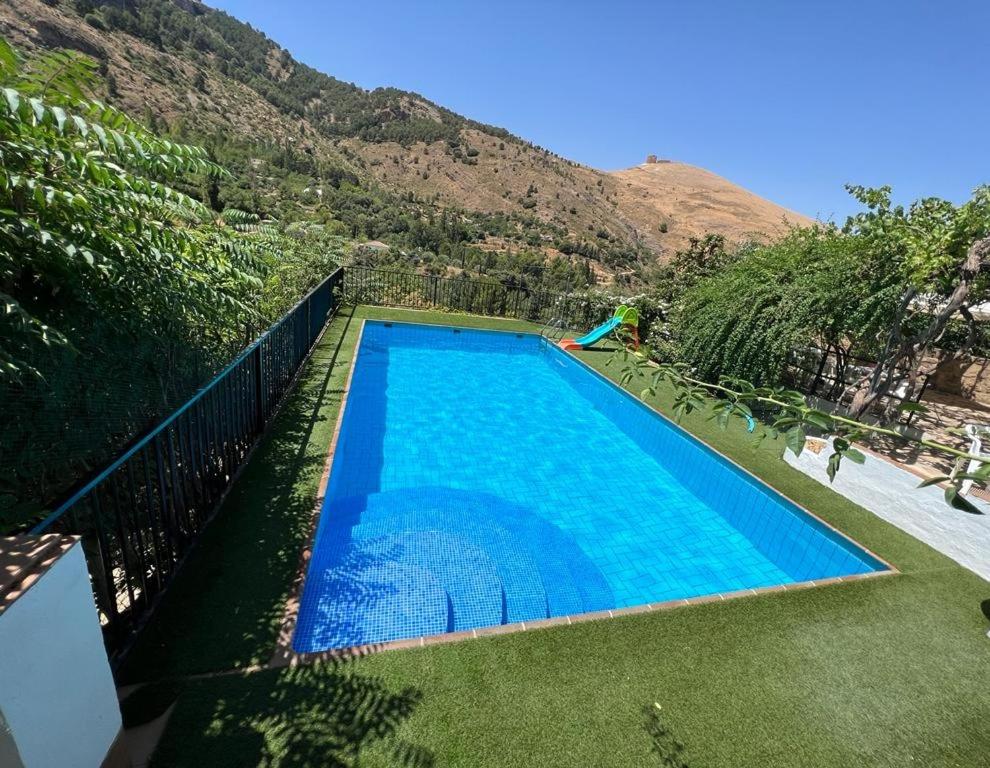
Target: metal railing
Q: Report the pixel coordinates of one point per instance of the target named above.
(366, 285)
(819, 372)
(139, 516)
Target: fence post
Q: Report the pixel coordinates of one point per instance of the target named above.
(259, 389)
(821, 369)
(309, 321)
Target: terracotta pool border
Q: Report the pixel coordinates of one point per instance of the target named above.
(293, 658)
(284, 655)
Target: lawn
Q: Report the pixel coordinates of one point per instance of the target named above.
(889, 671)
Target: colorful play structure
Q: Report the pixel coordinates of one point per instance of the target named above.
(626, 317)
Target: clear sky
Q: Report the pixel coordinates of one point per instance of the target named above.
(790, 98)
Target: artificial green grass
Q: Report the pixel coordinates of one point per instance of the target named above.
(888, 671)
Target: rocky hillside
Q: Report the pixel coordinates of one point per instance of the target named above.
(671, 202)
(382, 164)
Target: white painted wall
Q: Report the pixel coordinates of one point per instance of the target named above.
(56, 691)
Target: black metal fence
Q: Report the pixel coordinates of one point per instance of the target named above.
(829, 374)
(366, 285)
(138, 517)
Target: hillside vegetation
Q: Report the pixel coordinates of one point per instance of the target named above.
(382, 164)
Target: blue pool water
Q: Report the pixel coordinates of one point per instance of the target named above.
(485, 478)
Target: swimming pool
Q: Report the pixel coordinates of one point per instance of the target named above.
(483, 478)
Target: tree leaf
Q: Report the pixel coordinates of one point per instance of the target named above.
(833, 465)
(819, 419)
(8, 59)
(794, 438)
(956, 500)
(13, 99)
(854, 455)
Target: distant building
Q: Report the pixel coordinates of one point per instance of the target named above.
(651, 159)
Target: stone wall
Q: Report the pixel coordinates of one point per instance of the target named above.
(967, 377)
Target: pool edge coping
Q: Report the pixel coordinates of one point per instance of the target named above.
(292, 658)
(891, 568)
(285, 655)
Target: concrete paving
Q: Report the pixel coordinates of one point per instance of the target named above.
(892, 493)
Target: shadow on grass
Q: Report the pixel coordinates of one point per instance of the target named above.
(325, 715)
(224, 609)
(667, 749)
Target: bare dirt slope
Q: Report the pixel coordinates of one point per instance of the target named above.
(692, 202)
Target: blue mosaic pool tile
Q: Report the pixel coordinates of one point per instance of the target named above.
(357, 604)
(489, 478)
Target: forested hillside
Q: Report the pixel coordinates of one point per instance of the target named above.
(372, 165)
(302, 145)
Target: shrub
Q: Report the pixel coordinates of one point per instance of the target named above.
(745, 318)
(94, 20)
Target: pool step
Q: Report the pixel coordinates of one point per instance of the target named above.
(466, 572)
(525, 596)
(523, 544)
(423, 561)
(360, 602)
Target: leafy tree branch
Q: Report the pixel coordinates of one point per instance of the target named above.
(791, 417)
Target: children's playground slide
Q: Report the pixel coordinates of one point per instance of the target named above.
(624, 315)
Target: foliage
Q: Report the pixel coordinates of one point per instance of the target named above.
(86, 225)
(449, 242)
(813, 284)
(121, 293)
(669, 751)
(937, 253)
(885, 286)
(925, 242)
(651, 305)
(290, 184)
(702, 258)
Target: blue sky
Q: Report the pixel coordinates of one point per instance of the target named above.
(791, 99)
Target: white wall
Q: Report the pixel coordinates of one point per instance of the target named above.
(56, 691)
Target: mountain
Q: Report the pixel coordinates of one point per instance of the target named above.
(449, 193)
(691, 202)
